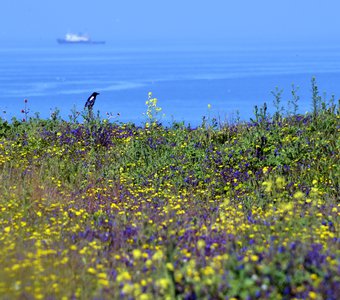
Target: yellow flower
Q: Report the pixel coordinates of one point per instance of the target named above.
(299, 195)
(143, 282)
(170, 266)
(268, 186)
(208, 270)
(158, 255)
(15, 267)
(162, 283)
(102, 275)
(178, 276)
(200, 244)
(91, 270)
(103, 282)
(312, 295)
(144, 297)
(127, 288)
(124, 276)
(280, 182)
(136, 253)
(314, 276)
(148, 263)
(254, 258)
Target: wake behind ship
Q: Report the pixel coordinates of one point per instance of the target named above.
(73, 38)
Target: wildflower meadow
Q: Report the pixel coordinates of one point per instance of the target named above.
(98, 209)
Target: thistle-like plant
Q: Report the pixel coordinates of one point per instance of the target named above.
(25, 111)
(277, 103)
(316, 98)
(293, 102)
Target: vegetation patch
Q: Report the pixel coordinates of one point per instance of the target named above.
(104, 210)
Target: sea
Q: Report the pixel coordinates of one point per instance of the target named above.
(222, 80)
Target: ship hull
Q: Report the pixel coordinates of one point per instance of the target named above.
(63, 41)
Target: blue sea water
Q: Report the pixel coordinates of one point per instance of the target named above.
(185, 79)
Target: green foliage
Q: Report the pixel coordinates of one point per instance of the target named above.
(117, 211)
(293, 102)
(316, 98)
(277, 104)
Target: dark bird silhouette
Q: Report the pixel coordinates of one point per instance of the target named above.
(90, 101)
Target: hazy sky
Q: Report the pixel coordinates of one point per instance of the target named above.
(171, 19)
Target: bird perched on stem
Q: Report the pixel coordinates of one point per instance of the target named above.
(90, 101)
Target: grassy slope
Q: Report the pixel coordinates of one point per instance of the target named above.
(118, 212)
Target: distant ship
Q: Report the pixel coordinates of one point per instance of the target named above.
(73, 38)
